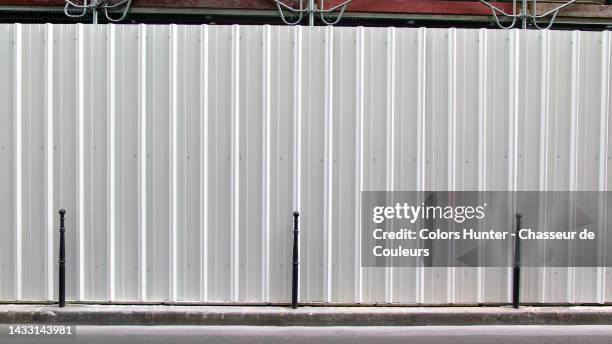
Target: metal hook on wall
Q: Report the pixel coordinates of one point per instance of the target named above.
(97, 6)
(312, 10)
(524, 14)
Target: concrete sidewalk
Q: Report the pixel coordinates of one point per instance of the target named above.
(304, 316)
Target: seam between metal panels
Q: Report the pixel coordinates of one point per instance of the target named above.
(204, 49)
(544, 122)
(359, 96)
(575, 43)
(122, 186)
(152, 201)
(574, 107)
(297, 126)
(390, 163)
(573, 140)
(186, 173)
(90, 160)
(17, 44)
(513, 82)
(544, 109)
(142, 168)
(174, 167)
(421, 138)
(308, 162)
(452, 122)
(482, 107)
(81, 161)
(482, 132)
(49, 264)
(328, 168)
(604, 109)
(452, 106)
(111, 161)
(235, 161)
(603, 154)
(265, 244)
(184, 160)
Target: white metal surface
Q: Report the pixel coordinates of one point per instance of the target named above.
(180, 153)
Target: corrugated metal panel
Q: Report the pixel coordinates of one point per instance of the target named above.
(180, 153)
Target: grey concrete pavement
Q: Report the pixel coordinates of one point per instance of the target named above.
(304, 316)
(342, 335)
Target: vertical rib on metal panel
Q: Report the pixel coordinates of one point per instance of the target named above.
(544, 117)
(573, 161)
(603, 151)
(81, 160)
(390, 163)
(574, 108)
(452, 127)
(482, 132)
(50, 213)
(513, 76)
(297, 114)
(17, 43)
(204, 162)
(482, 108)
(544, 96)
(111, 161)
(174, 167)
(265, 225)
(452, 108)
(421, 139)
(328, 188)
(359, 97)
(235, 162)
(297, 124)
(142, 165)
(604, 109)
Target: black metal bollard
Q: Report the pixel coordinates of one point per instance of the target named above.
(296, 262)
(62, 260)
(516, 270)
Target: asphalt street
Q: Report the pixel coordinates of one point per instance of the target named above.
(585, 334)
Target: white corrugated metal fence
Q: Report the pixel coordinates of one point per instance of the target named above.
(180, 153)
